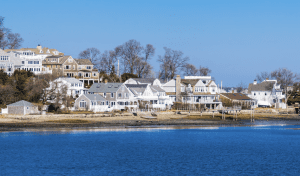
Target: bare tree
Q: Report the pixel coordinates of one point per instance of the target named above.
(171, 63)
(107, 61)
(146, 68)
(240, 87)
(204, 71)
(285, 78)
(93, 54)
(263, 76)
(130, 52)
(190, 70)
(7, 38)
(14, 40)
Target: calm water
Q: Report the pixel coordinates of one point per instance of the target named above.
(262, 150)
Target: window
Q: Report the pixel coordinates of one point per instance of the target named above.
(82, 104)
(30, 62)
(72, 85)
(76, 91)
(265, 93)
(94, 74)
(254, 94)
(88, 67)
(73, 67)
(55, 66)
(36, 62)
(67, 67)
(126, 95)
(104, 94)
(70, 60)
(119, 95)
(112, 95)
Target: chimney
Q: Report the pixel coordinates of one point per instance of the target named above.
(255, 82)
(178, 88)
(267, 79)
(105, 81)
(232, 91)
(39, 47)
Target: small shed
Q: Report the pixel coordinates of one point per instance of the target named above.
(22, 107)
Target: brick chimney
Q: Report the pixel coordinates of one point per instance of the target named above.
(178, 88)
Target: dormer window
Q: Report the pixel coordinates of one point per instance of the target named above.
(70, 60)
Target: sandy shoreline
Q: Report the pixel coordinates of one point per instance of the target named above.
(128, 121)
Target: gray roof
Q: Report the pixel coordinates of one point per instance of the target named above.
(95, 97)
(83, 62)
(157, 89)
(105, 87)
(145, 80)
(264, 86)
(137, 88)
(21, 103)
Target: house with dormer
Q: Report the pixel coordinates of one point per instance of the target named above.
(194, 90)
(267, 93)
(32, 58)
(86, 71)
(118, 96)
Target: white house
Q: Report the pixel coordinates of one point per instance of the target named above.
(10, 62)
(194, 90)
(74, 86)
(153, 94)
(32, 58)
(267, 93)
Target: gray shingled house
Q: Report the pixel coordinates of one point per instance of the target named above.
(91, 102)
(22, 107)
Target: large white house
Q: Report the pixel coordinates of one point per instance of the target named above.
(31, 58)
(73, 86)
(194, 90)
(267, 93)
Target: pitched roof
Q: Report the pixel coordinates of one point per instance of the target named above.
(83, 62)
(236, 96)
(192, 82)
(37, 51)
(60, 60)
(137, 88)
(144, 80)
(263, 86)
(157, 88)
(105, 87)
(70, 80)
(21, 103)
(96, 97)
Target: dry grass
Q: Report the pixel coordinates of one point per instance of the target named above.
(69, 121)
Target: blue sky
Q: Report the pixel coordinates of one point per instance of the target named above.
(235, 39)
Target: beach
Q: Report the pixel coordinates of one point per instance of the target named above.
(128, 120)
